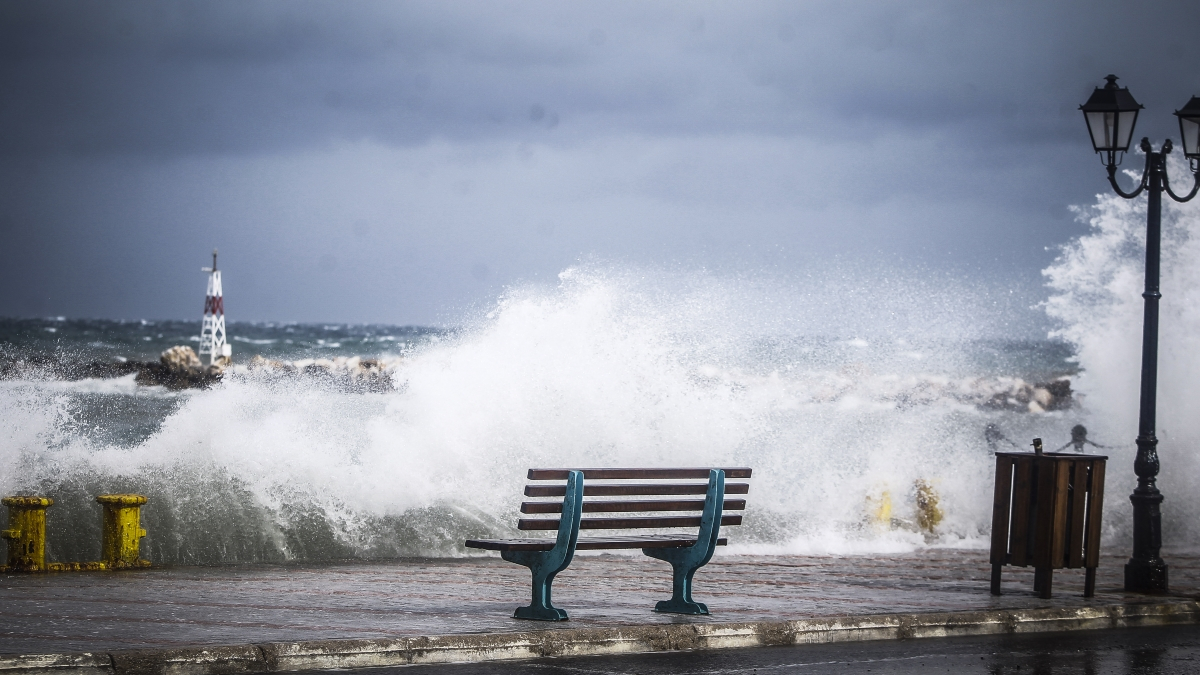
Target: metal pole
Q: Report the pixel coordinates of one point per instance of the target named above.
(1146, 572)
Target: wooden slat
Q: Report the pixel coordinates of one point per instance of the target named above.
(634, 489)
(1043, 519)
(511, 544)
(1001, 507)
(1022, 490)
(1058, 534)
(1091, 557)
(590, 543)
(637, 474)
(633, 506)
(651, 522)
(1078, 513)
(650, 541)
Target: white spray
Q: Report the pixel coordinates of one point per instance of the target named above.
(1096, 288)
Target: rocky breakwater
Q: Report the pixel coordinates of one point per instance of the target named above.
(853, 385)
(354, 374)
(180, 368)
(1017, 394)
(991, 393)
(176, 368)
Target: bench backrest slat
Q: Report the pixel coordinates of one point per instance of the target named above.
(637, 474)
(635, 522)
(634, 489)
(634, 506)
(665, 504)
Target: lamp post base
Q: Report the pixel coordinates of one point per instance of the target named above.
(1145, 577)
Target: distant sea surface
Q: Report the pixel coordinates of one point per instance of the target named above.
(105, 340)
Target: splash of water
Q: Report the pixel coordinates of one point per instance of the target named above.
(842, 391)
(1096, 286)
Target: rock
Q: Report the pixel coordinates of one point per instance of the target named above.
(181, 359)
(1060, 393)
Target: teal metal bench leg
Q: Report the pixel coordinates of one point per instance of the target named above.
(685, 561)
(546, 564)
(681, 597)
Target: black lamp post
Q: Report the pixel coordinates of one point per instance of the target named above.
(1110, 114)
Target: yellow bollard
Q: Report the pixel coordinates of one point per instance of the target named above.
(26, 533)
(122, 531)
(879, 510)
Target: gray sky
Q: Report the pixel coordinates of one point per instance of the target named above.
(396, 162)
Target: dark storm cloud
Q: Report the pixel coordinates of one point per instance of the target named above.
(383, 161)
(164, 78)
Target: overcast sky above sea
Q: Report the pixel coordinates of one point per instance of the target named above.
(399, 161)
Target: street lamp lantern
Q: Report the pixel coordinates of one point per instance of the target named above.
(1189, 128)
(1111, 114)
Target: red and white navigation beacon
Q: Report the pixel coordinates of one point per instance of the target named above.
(212, 331)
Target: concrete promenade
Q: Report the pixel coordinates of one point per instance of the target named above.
(411, 611)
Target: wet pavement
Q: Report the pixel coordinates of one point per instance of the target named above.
(94, 611)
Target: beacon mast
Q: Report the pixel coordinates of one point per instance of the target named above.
(212, 331)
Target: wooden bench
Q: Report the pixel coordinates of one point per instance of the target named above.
(618, 494)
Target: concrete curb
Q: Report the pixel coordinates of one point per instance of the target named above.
(329, 654)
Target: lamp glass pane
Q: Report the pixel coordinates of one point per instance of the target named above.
(1100, 125)
(1125, 122)
(1190, 130)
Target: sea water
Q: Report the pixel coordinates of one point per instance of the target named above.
(843, 390)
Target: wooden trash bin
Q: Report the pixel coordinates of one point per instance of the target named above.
(1047, 514)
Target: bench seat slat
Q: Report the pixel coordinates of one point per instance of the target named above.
(634, 489)
(633, 506)
(591, 543)
(638, 474)
(632, 522)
